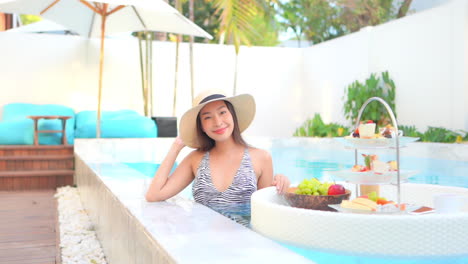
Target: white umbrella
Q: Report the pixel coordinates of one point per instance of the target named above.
(43, 26)
(101, 17)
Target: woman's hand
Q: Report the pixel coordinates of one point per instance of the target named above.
(162, 186)
(281, 182)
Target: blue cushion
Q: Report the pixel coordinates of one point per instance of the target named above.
(115, 124)
(17, 132)
(20, 111)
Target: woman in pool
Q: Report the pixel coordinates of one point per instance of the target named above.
(225, 170)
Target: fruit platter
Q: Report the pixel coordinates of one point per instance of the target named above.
(398, 231)
(374, 171)
(364, 136)
(372, 204)
(316, 195)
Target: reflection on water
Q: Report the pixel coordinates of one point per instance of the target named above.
(299, 163)
(240, 213)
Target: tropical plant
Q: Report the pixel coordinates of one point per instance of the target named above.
(321, 20)
(236, 17)
(357, 93)
(435, 134)
(315, 127)
(292, 18)
(355, 15)
(204, 14)
(410, 131)
(236, 22)
(440, 134)
(269, 27)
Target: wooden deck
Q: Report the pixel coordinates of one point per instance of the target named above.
(29, 227)
(26, 167)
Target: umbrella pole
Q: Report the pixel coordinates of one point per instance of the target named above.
(101, 67)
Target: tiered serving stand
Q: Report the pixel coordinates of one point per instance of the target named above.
(370, 178)
(396, 234)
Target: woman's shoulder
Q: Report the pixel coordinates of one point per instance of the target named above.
(259, 154)
(195, 154)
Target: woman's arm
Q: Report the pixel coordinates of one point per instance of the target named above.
(162, 186)
(266, 177)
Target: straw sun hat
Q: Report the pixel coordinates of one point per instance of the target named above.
(244, 105)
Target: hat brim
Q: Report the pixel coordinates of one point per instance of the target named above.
(244, 105)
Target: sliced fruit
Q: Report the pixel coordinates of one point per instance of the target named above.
(382, 201)
(351, 205)
(360, 204)
(366, 202)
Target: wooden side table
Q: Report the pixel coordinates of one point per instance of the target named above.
(63, 119)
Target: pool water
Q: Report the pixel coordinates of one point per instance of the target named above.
(299, 163)
(321, 257)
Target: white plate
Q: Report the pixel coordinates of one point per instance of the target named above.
(375, 142)
(409, 208)
(370, 177)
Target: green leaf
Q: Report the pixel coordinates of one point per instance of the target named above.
(357, 93)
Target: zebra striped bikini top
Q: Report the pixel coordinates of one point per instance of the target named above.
(234, 202)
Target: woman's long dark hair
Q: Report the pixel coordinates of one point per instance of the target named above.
(207, 143)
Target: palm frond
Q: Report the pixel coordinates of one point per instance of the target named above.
(236, 19)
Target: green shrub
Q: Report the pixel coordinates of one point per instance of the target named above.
(440, 134)
(315, 127)
(410, 131)
(435, 134)
(356, 94)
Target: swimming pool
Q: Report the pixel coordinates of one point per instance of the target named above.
(299, 159)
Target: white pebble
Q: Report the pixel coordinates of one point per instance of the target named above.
(78, 241)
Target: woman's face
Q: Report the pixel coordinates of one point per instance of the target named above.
(217, 121)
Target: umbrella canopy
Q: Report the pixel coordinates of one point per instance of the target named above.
(122, 16)
(101, 17)
(43, 26)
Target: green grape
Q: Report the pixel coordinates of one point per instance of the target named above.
(314, 188)
(323, 190)
(302, 185)
(315, 181)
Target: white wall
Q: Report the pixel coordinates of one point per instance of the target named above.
(328, 68)
(40, 68)
(425, 53)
